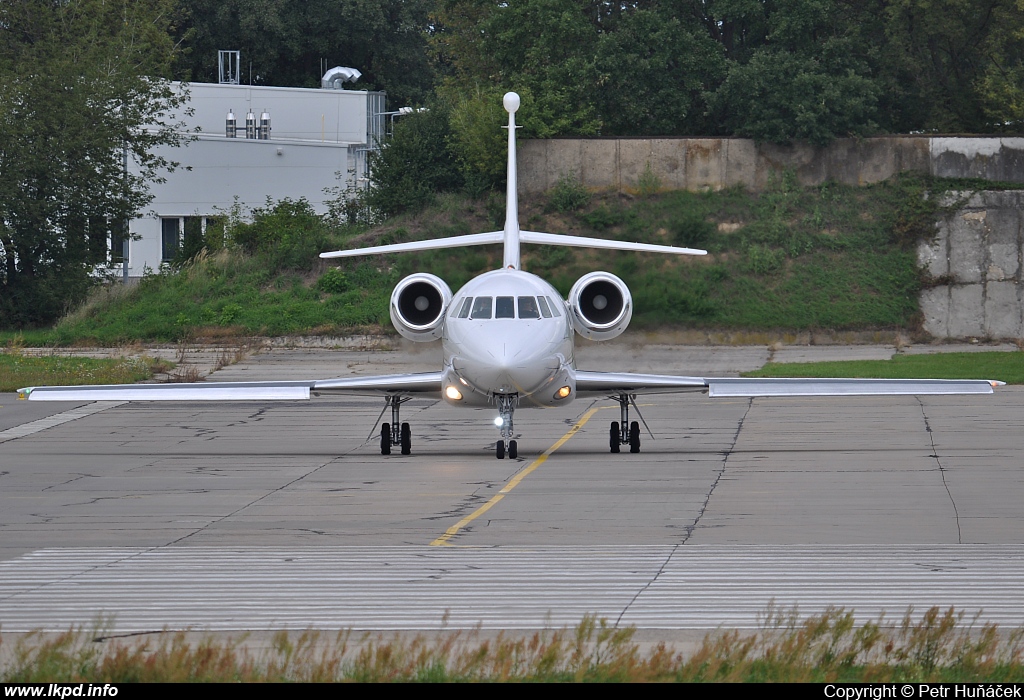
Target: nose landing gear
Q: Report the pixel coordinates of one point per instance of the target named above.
(506, 407)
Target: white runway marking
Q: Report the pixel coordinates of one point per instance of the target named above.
(57, 419)
(428, 588)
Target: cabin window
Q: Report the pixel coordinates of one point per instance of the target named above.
(545, 310)
(504, 307)
(481, 307)
(528, 307)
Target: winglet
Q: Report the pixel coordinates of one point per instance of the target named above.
(511, 255)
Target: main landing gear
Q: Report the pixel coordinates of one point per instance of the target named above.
(627, 433)
(506, 406)
(397, 433)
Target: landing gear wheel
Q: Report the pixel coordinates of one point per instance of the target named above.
(406, 439)
(613, 436)
(634, 437)
(385, 439)
(513, 449)
(499, 449)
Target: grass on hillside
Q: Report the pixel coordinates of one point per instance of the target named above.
(1003, 366)
(789, 258)
(932, 647)
(19, 371)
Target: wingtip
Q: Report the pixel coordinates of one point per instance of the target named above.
(995, 383)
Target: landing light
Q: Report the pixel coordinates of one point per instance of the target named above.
(498, 421)
(563, 392)
(453, 393)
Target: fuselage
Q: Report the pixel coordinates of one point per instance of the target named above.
(508, 332)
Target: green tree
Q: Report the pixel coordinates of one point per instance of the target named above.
(653, 73)
(286, 43)
(414, 163)
(81, 93)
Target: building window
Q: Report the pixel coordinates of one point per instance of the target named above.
(171, 238)
(118, 251)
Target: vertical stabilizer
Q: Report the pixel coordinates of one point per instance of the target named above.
(511, 256)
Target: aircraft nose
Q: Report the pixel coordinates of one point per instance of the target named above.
(512, 365)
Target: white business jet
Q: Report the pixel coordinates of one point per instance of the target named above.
(507, 343)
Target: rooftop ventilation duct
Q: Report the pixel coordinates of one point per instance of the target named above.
(333, 78)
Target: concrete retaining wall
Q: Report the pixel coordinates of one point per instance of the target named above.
(977, 256)
(716, 163)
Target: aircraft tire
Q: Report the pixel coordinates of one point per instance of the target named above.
(634, 437)
(613, 436)
(499, 449)
(513, 449)
(406, 439)
(385, 439)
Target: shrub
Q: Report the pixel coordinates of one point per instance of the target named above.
(568, 194)
(333, 281)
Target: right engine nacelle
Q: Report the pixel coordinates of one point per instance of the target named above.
(417, 306)
(601, 306)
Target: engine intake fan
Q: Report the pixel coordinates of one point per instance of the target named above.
(601, 306)
(418, 305)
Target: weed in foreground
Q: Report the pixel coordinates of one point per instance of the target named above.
(934, 646)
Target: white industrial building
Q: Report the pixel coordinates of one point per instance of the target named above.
(299, 143)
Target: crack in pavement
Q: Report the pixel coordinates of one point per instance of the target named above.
(690, 528)
(942, 472)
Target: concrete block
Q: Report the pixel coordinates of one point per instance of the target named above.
(934, 303)
(912, 153)
(773, 160)
(531, 164)
(966, 246)
(705, 166)
(634, 155)
(668, 162)
(966, 311)
(598, 163)
(740, 163)
(983, 157)
(1003, 243)
(1002, 310)
(933, 255)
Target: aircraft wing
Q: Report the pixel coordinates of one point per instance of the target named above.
(402, 384)
(613, 383)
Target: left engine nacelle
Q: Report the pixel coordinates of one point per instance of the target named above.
(601, 306)
(418, 305)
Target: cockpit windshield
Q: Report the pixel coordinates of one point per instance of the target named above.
(528, 307)
(481, 307)
(505, 307)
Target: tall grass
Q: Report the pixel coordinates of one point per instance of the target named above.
(936, 646)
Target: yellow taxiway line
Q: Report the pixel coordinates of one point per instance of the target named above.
(443, 540)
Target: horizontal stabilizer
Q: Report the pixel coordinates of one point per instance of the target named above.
(453, 242)
(845, 387)
(582, 242)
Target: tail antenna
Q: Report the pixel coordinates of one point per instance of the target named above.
(511, 256)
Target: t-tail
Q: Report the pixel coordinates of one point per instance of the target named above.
(512, 236)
